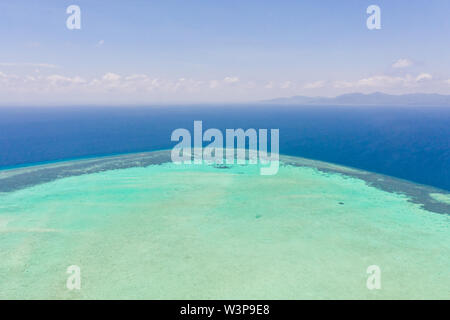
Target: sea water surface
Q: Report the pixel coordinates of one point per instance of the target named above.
(411, 143)
(139, 226)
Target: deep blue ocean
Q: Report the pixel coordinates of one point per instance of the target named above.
(411, 143)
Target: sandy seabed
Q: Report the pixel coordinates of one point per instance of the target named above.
(166, 231)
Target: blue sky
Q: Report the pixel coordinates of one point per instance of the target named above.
(138, 52)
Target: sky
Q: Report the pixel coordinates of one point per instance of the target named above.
(218, 51)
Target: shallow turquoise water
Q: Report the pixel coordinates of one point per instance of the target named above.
(199, 232)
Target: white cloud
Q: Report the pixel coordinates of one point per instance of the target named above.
(100, 43)
(117, 88)
(402, 63)
(111, 77)
(314, 85)
(58, 79)
(231, 80)
(286, 85)
(423, 76)
(380, 81)
(384, 81)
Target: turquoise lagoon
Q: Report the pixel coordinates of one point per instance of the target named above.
(139, 226)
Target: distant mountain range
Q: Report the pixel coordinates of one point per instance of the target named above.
(373, 99)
